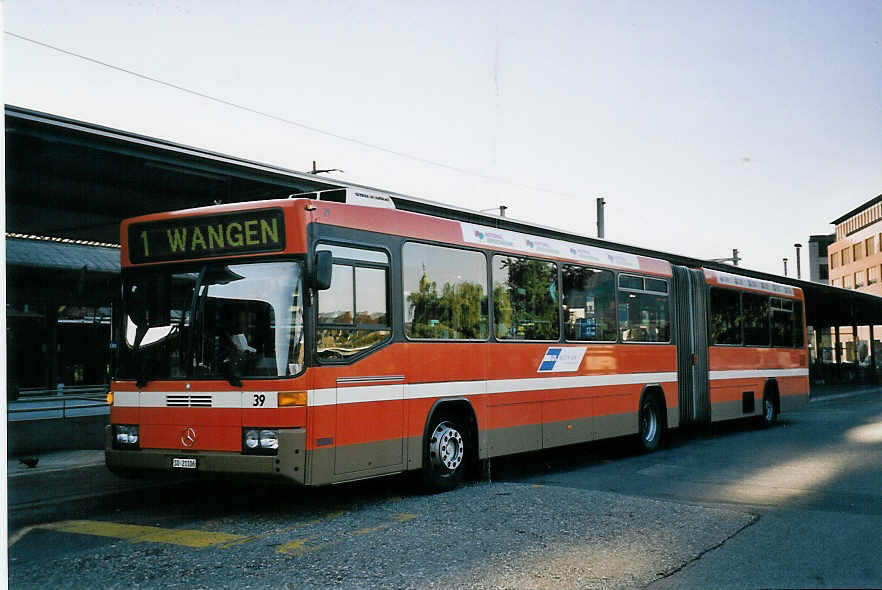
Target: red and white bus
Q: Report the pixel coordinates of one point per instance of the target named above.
(338, 337)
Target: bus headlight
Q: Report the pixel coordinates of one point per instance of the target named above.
(125, 436)
(260, 441)
(269, 439)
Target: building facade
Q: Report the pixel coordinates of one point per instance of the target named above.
(855, 262)
(855, 258)
(819, 269)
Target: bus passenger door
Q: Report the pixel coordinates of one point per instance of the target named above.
(691, 326)
(370, 423)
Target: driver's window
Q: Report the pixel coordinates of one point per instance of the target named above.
(353, 313)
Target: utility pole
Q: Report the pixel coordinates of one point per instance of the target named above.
(600, 203)
(317, 171)
(734, 260)
(798, 265)
(502, 210)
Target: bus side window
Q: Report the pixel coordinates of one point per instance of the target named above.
(643, 310)
(353, 313)
(725, 312)
(445, 293)
(589, 304)
(756, 319)
(525, 299)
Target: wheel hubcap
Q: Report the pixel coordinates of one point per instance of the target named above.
(446, 447)
(650, 423)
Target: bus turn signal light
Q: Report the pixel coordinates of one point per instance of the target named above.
(292, 398)
(109, 398)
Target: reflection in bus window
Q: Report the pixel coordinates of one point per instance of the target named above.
(756, 319)
(445, 293)
(353, 312)
(725, 313)
(525, 299)
(782, 322)
(589, 304)
(257, 305)
(643, 317)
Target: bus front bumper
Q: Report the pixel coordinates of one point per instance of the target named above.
(289, 463)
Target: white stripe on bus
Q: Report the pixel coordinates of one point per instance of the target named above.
(758, 373)
(401, 391)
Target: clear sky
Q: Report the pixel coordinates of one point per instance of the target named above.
(705, 125)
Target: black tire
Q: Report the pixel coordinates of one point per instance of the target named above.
(770, 412)
(446, 452)
(651, 424)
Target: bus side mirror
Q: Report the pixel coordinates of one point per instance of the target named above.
(324, 263)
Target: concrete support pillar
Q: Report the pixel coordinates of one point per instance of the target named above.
(872, 357)
(837, 352)
(51, 356)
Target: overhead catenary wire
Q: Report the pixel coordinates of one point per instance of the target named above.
(287, 121)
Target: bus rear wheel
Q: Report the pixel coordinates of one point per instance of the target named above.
(770, 412)
(445, 451)
(651, 424)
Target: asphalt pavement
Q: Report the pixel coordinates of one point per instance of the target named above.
(797, 505)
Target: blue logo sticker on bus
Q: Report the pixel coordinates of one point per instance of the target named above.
(562, 359)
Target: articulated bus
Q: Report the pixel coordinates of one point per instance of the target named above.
(330, 339)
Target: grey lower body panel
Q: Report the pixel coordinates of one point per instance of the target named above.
(290, 463)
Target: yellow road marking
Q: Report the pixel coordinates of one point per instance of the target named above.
(143, 534)
(301, 546)
(243, 540)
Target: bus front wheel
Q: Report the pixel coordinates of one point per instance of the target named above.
(444, 454)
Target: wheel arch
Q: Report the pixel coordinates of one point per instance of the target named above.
(459, 407)
(655, 390)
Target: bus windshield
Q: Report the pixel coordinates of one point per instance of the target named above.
(214, 321)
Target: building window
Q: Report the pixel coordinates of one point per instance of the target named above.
(846, 256)
(872, 275)
(859, 279)
(835, 260)
(858, 250)
(848, 281)
(870, 246)
(445, 293)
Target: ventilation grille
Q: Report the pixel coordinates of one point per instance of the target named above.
(188, 401)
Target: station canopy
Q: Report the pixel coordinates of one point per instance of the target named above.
(76, 180)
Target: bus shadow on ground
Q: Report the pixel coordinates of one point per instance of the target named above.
(216, 496)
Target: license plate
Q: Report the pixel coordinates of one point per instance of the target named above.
(178, 463)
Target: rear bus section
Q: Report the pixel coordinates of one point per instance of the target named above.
(757, 361)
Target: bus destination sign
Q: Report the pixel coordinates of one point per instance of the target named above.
(247, 232)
